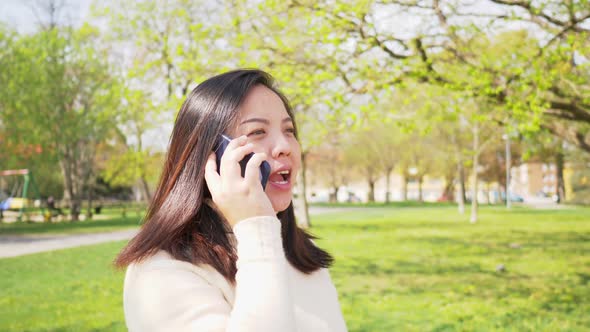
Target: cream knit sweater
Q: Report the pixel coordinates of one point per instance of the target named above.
(165, 294)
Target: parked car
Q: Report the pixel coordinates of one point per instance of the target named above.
(514, 197)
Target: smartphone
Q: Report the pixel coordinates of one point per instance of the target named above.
(220, 149)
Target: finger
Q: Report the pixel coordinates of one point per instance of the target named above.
(252, 175)
(212, 178)
(236, 142)
(227, 154)
(230, 162)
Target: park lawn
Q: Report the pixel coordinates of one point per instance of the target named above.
(114, 223)
(419, 269)
(63, 290)
(394, 204)
(114, 218)
(407, 269)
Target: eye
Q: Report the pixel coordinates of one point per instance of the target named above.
(257, 132)
(290, 130)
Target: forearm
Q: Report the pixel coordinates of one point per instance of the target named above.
(263, 299)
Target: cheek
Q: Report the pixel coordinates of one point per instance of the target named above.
(296, 155)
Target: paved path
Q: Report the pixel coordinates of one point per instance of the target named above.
(13, 245)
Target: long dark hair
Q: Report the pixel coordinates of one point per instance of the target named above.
(181, 218)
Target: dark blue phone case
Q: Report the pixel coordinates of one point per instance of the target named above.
(220, 149)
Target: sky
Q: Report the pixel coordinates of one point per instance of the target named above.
(19, 14)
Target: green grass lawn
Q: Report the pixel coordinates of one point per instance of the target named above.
(115, 221)
(68, 227)
(403, 269)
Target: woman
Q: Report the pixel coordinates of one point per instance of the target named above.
(217, 252)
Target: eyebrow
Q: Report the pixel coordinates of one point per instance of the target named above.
(265, 121)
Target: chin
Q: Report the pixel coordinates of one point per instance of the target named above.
(280, 204)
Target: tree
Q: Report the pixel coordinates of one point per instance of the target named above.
(326, 162)
(548, 148)
(134, 163)
(534, 78)
(268, 35)
(62, 98)
(362, 152)
(493, 162)
(167, 50)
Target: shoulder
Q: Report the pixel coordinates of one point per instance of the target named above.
(161, 269)
(160, 260)
(319, 279)
(162, 291)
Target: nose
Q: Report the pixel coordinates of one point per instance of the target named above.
(281, 147)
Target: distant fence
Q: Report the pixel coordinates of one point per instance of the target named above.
(59, 210)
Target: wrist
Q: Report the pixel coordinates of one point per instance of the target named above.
(259, 237)
(261, 217)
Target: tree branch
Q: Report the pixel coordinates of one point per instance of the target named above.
(527, 5)
(569, 111)
(574, 136)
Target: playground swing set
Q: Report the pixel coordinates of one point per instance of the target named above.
(17, 199)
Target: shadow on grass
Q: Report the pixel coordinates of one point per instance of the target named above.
(113, 326)
(21, 228)
(572, 240)
(381, 226)
(405, 204)
(514, 242)
(367, 268)
(429, 260)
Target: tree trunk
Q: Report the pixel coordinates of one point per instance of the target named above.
(501, 188)
(474, 205)
(559, 165)
(300, 203)
(508, 167)
(77, 165)
(388, 185)
(145, 188)
(89, 202)
(405, 188)
(461, 175)
(85, 165)
(371, 197)
(449, 191)
(420, 194)
(76, 208)
(463, 179)
(70, 195)
(334, 194)
(87, 177)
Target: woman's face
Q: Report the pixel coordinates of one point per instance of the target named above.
(265, 121)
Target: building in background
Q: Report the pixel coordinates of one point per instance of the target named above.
(530, 182)
(534, 180)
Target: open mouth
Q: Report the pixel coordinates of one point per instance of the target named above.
(281, 177)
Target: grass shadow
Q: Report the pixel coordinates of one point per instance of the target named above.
(68, 226)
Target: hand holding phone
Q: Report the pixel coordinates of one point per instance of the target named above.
(220, 149)
(238, 196)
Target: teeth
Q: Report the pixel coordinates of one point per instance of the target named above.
(280, 182)
(283, 172)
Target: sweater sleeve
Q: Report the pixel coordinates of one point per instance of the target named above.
(263, 297)
(178, 300)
